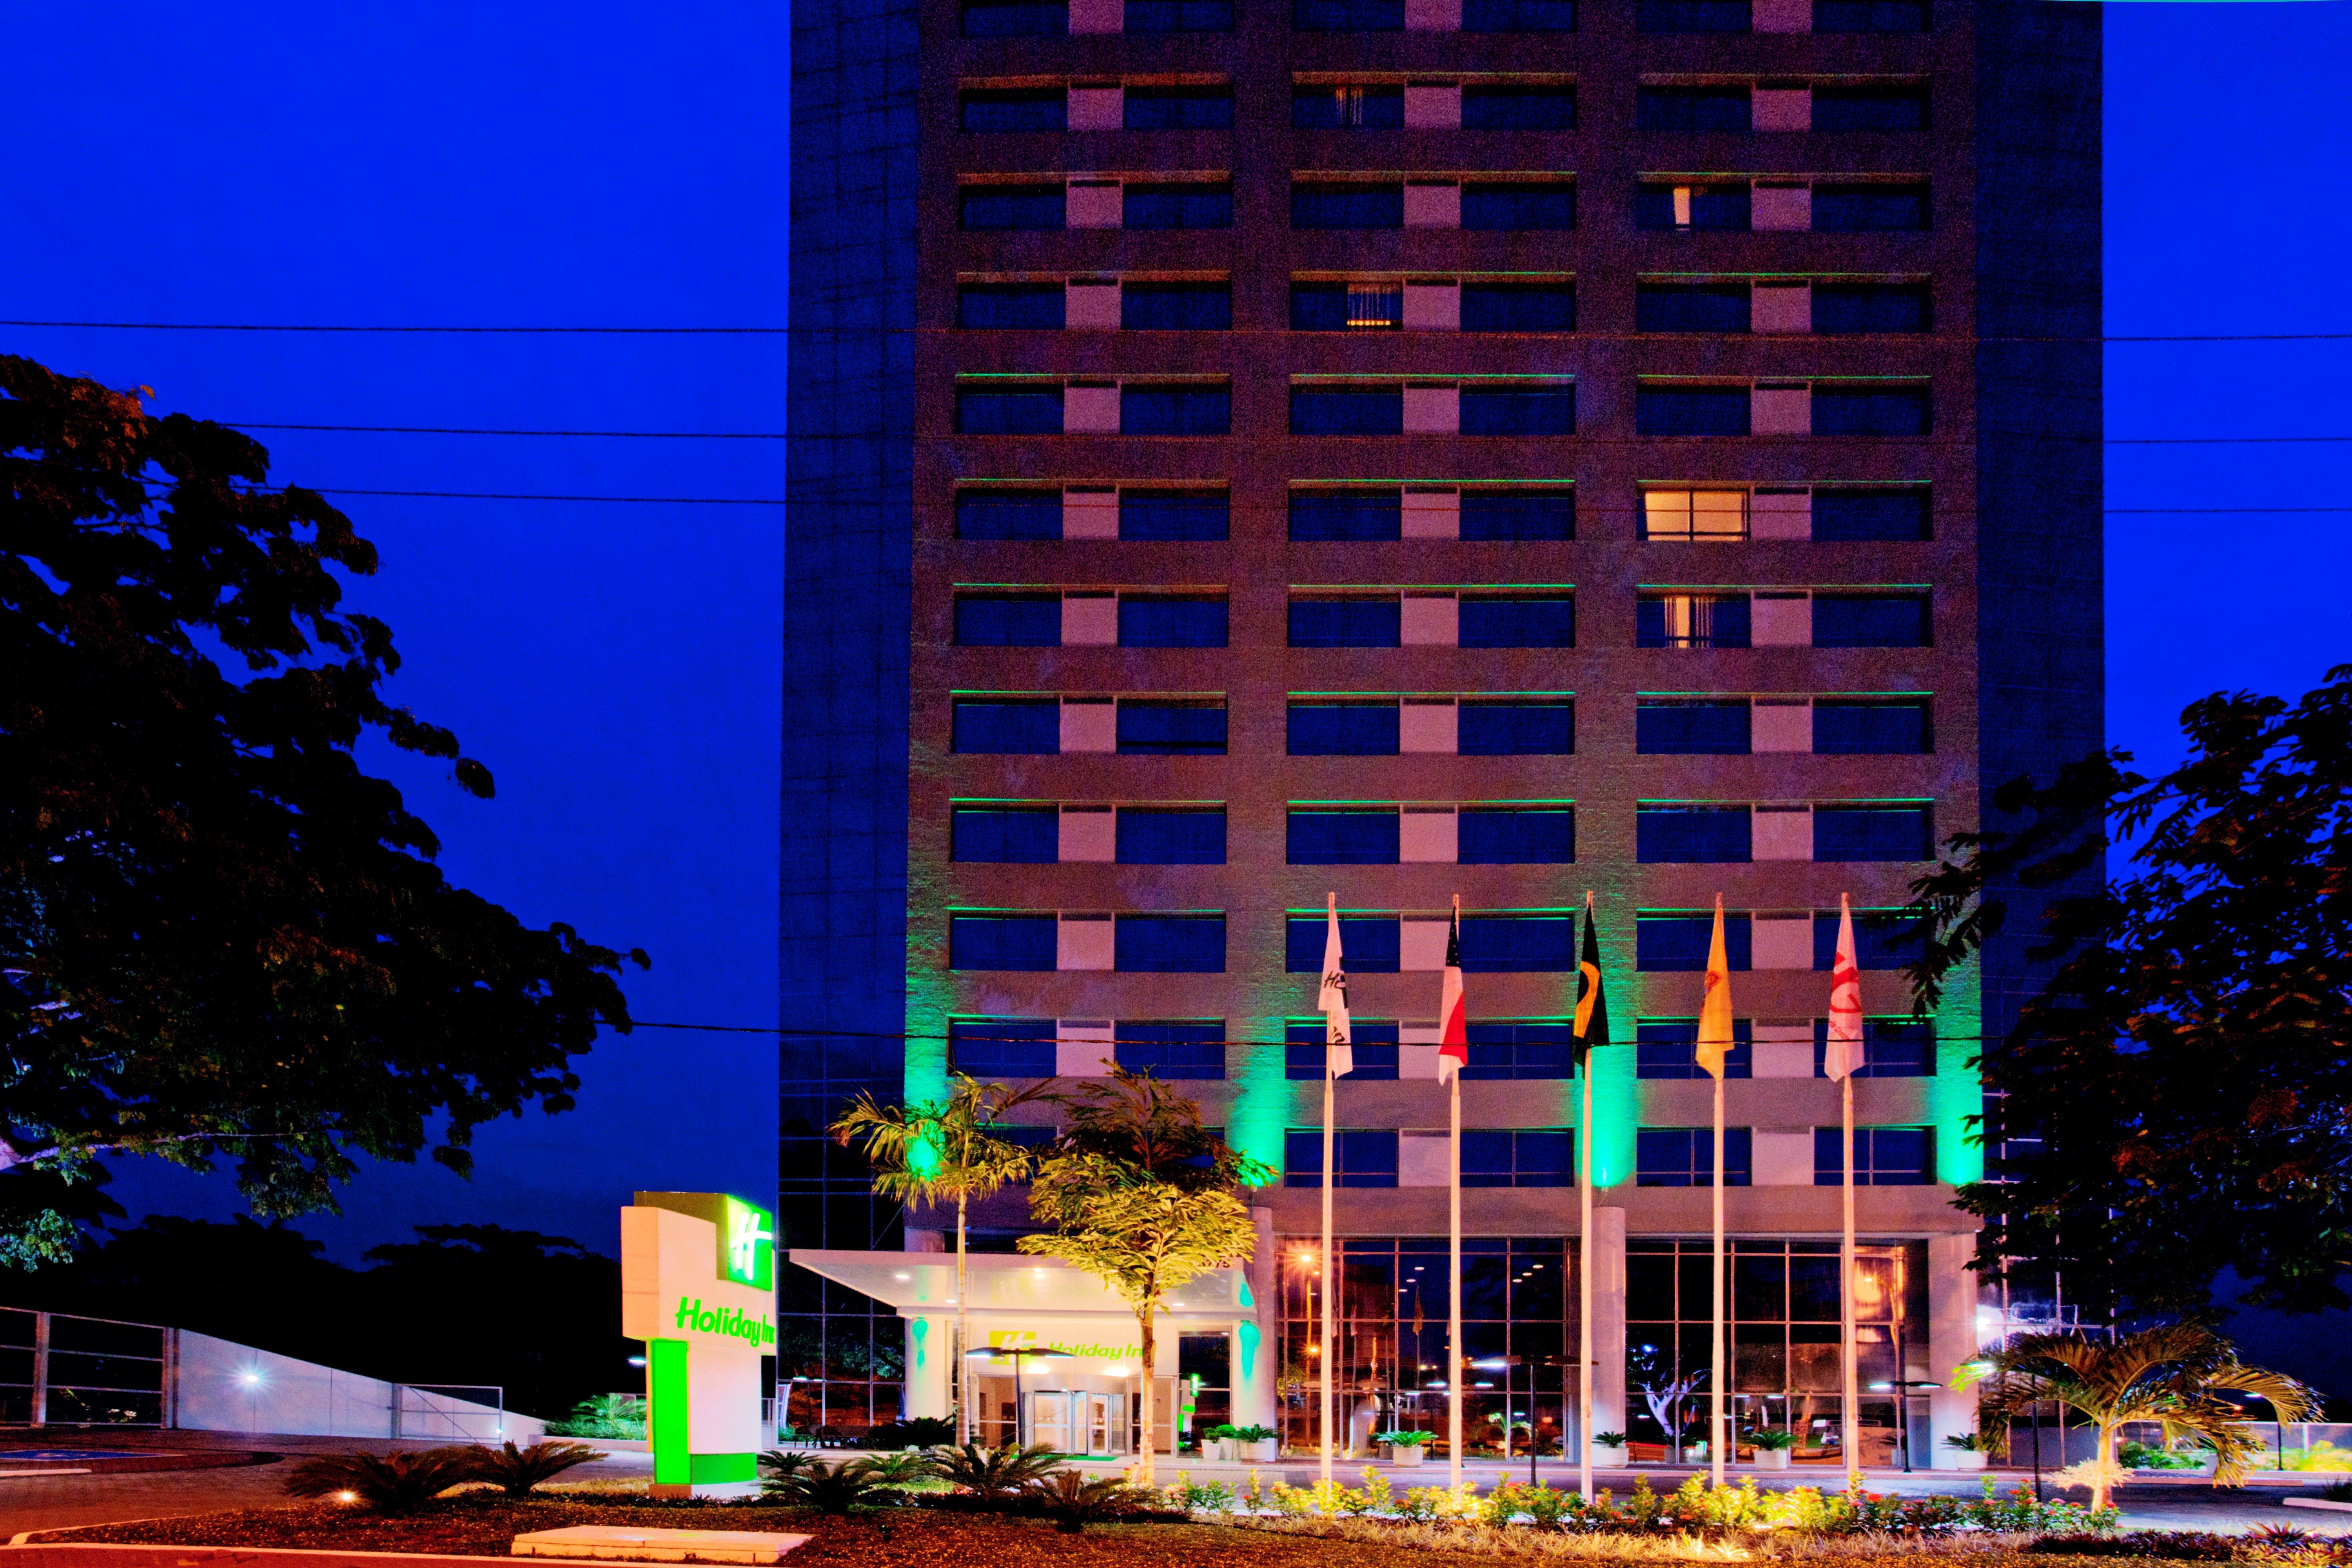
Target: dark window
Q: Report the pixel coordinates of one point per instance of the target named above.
(1374, 1044)
(1518, 411)
(1522, 837)
(1180, 16)
(1167, 516)
(1352, 515)
(1169, 944)
(1008, 620)
(1346, 206)
(1521, 205)
(1000, 942)
(1171, 620)
(1691, 835)
(1684, 1156)
(1690, 307)
(1516, 622)
(1015, 19)
(1360, 1157)
(1348, 16)
(1347, 411)
(1504, 1051)
(1670, 728)
(1178, 108)
(1343, 730)
(1870, 620)
(1668, 1047)
(1518, 944)
(1870, 410)
(1342, 838)
(1690, 411)
(1546, 108)
(1194, 204)
(1002, 1047)
(1176, 306)
(1009, 514)
(1857, 833)
(1869, 209)
(1518, 15)
(1490, 516)
(1882, 1157)
(1691, 620)
(1337, 108)
(1006, 835)
(1900, 108)
(1346, 623)
(1691, 16)
(1015, 109)
(1844, 728)
(1528, 728)
(1692, 107)
(1519, 307)
(1871, 516)
(1181, 410)
(1869, 15)
(1714, 209)
(1369, 945)
(1171, 729)
(1518, 1157)
(1188, 835)
(1007, 729)
(1009, 305)
(1883, 939)
(1009, 412)
(1346, 307)
(1186, 1048)
(1891, 1047)
(1678, 944)
(1009, 207)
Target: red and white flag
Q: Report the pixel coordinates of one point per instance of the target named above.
(1339, 1051)
(1453, 1018)
(1843, 1057)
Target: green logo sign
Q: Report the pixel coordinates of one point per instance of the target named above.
(747, 1241)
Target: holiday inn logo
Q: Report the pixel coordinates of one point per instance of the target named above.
(728, 1322)
(747, 1242)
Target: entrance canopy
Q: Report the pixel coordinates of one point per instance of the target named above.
(924, 1284)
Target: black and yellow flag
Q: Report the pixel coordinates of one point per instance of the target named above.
(1591, 1002)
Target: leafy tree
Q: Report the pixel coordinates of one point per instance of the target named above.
(219, 936)
(2186, 1065)
(1139, 1195)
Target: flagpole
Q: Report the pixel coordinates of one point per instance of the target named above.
(1337, 1034)
(1583, 1273)
(1330, 1273)
(1454, 1271)
(1849, 1413)
(1843, 1057)
(1715, 1432)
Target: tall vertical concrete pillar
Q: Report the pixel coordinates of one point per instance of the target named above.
(1607, 1320)
(930, 1364)
(1951, 1340)
(1253, 1346)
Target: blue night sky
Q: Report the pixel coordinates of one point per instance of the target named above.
(617, 666)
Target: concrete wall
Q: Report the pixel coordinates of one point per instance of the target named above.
(228, 1387)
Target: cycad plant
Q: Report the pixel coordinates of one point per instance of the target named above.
(2174, 1376)
(1072, 1501)
(516, 1471)
(830, 1489)
(388, 1483)
(995, 1473)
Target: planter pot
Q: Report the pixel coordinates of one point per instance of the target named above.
(1217, 1450)
(1609, 1453)
(1772, 1458)
(1262, 1450)
(1965, 1459)
(1402, 1457)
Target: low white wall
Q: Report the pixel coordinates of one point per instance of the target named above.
(228, 1387)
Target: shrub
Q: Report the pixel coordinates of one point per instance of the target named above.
(1073, 1502)
(835, 1490)
(1609, 1439)
(515, 1472)
(995, 1473)
(2338, 1491)
(388, 1483)
(1405, 1440)
(2177, 1545)
(1771, 1439)
(618, 1416)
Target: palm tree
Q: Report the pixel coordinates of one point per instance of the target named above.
(935, 1152)
(2174, 1376)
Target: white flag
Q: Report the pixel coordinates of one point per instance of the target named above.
(1843, 1057)
(1339, 1056)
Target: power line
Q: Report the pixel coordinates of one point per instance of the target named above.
(1304, 1015)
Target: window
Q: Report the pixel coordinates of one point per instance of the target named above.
(1171, 944)
(1180, 15)
(1517, 621)
(1005, 942)
(1664, 728)
(1883, 939)
(1891, 1047)
(1193, 1048)
(1869, 15)
(1343, 730)
(1163, 727)
(1846, 727)
(1519, 307)
(1342, 838)
(1691, 16)
(1009, 410)
(1690, 411)
(1008, 620)
(1694, 515)
(1189, 205)
(1370, 943)
(1008, 514)
(991, 306)
(983, 207)
(1677, 943)
(1171, 620)
(1692, 107)
(1320, 107)
(1691, 620)
(1882, 1157)
(1519, 515)
(1348, 16)
(1519, 204)
(1002, 1047)
(1870, 620)
(1006, 835)
(1869, 208)
(1349, 515)
(1518, 15)
(1360, 1157)
(1176, 306)
(1691, 835)
(1517, 729)
(1174, 516)
(1518, 1157)
(1346, 206)
(1519, 410)
(1172, 836)
(1015, 109)
(1346, 307)
(1015, 18)
(1863, 833)
(1873, 107)
(1703, 208)
(1178, 108)
(1184, 409)
(1375, 1047)
(1518, 944)
(1869, 410)
(1685, 1157)
(984, 727)
(1347, 411)
(1690, 307)
(1359, 621)
(1668, 1047)
(1549, 107)
(1518, 835)
(1860, 516)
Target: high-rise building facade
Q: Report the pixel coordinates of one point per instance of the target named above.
(1510, 450)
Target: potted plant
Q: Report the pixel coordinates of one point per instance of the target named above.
(1772, 1444)
(1217, 1443)
(1608, 1447)
(1402, 1448)
(1256, 1444)
(1969, 1449)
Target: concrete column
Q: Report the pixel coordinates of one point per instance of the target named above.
(1609, 1320)
(1253, 1348)
(1951, 1340)
(930, 1359)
